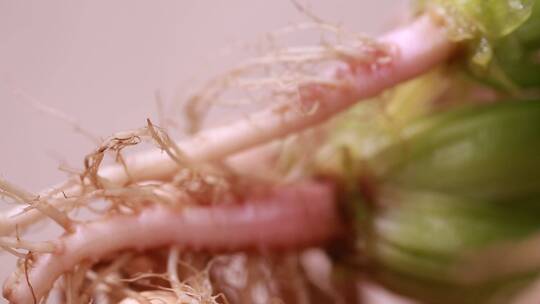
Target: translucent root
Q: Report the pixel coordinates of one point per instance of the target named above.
(16, 243)
(155, 297)
(288, 217)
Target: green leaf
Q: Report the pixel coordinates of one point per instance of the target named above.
(502, 39)
(485, 152)
(419, 239)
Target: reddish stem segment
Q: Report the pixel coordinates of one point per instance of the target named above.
(290, 217)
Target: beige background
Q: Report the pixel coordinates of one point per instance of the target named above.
(101, 62)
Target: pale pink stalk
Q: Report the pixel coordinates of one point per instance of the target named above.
(417, 47)
(306, 220)
(289, 217)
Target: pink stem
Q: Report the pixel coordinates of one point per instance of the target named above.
(419, 47)
(290, 217)
(296, 217)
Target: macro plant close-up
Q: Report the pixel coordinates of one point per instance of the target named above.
(322, 166)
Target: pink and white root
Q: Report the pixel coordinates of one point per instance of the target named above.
(289, 217)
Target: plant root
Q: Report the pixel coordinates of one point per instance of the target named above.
(396, 57)
(290, 217)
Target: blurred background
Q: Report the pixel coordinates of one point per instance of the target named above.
(101, 62)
